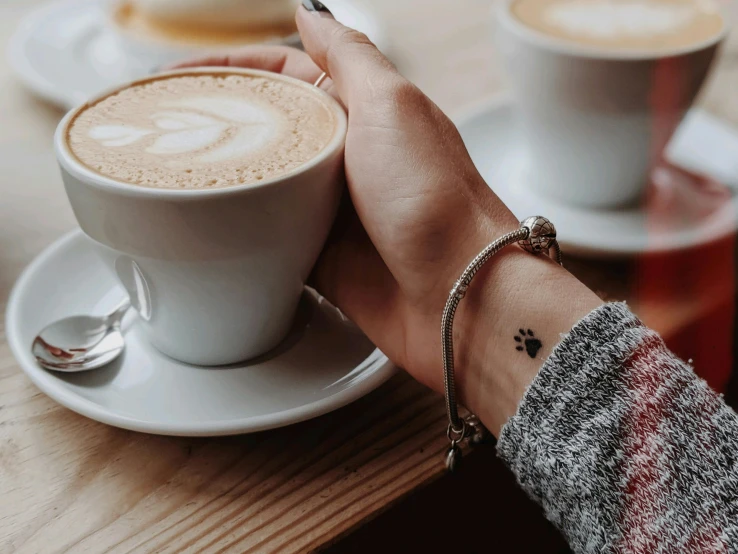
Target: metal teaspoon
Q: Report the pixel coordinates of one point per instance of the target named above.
(81, 343)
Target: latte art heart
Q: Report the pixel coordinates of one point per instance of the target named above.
(187, 132)
(190, 131)
(202, 131)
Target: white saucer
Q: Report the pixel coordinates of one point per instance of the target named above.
(687, 207)
(324, 364)
(65, 54)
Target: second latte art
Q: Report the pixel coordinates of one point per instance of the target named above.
(202, 131)
(648, 25)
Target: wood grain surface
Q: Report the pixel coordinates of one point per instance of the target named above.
(69, 484)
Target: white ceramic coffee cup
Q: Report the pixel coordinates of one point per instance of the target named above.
(216, 275)
(594, 121)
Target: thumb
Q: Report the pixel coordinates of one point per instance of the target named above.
(348, 57)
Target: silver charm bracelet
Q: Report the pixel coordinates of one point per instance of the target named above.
(537, 235)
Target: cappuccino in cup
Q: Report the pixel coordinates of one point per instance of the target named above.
(208, 194)
(623, 24)
(202, 131)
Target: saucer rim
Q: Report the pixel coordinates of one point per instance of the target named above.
(504, 101)
(382, 369)
(15, 56)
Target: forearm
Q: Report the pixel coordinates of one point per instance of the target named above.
(623, 446)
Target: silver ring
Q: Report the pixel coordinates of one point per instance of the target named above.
(320, 79)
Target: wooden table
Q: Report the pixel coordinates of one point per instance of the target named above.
(71, 484)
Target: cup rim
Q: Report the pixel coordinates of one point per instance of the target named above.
(561, 46)
(69, 162)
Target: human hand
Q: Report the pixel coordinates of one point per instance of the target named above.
(419, 212)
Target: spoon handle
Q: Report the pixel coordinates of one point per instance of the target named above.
(119, 313)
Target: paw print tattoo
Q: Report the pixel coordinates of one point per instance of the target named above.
(528, 342)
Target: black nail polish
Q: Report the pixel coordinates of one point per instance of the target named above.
(314, 6)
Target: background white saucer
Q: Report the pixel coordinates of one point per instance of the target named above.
(64, 53)
(324, 364)
(683, 211)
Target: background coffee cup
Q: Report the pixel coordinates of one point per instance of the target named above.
(216, 275)
(148, 52)
(595, 121)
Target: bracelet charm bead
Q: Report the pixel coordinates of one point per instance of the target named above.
(536, 235)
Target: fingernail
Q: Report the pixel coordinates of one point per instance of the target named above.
(318, 8)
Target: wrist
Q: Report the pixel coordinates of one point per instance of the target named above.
(512, 317)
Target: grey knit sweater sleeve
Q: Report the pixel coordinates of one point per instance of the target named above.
(624, 447)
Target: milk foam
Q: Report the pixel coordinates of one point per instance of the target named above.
(253, 127)
(642, 25)
(616, 18)
(117, 135)
(179, 132)
(189, 131)
(221, 13)
(202, 131)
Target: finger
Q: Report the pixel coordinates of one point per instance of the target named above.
(277, 59)
(348, 56)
